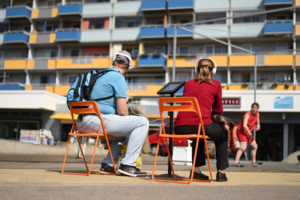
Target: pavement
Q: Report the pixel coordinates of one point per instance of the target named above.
(39, 177)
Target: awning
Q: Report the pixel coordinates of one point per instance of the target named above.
(63, 116)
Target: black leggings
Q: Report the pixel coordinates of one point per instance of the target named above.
(218, 134)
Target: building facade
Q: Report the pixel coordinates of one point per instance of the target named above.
(45, 44)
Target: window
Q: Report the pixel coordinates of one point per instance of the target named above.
(183, 21)
(53, 54)
(23, 79)
(6, 54)
(250, 47)
(183, 50)
(252, 78)
(135, 52)
(281, 78)
(47, 79)
(4, 6)
(158, 80)
(213, 49)
(217, 77)
(182, 77)
(46, 54)
(75, 53)
(160, 50)
(250, 19)
(1, 55)
(281, 17)
(76, 25)
(133, 80)
(25, 54)
(71, 79)
(281, 47)
(27, 29)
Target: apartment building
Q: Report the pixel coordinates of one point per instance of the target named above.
(45, 44)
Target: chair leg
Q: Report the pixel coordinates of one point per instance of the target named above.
(79, 144)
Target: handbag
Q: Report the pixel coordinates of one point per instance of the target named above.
(222, 120)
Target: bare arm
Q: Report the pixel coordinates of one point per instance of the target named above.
(245, 122)
(257, 123)
(122, 106)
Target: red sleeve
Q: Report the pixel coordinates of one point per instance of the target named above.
(217, 107)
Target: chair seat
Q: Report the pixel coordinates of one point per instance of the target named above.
(90, 134)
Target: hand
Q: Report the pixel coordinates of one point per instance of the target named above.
(257, 128)
(250, 136)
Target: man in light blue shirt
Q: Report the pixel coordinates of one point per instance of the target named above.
(115, 117)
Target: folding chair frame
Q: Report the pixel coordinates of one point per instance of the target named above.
(193, 107)
(87, 107)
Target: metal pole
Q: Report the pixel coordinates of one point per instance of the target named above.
(255, 85)
(171, 139)
(174, 52)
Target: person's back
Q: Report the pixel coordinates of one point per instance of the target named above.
(209, 96)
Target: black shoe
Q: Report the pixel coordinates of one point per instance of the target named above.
(105, 168)
(131, 171)
(221, 177)
(199, 176)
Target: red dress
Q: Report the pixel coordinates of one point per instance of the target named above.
(242, 134)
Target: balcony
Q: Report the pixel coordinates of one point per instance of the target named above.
(42, 38)
(18, 12)
(272, 28)
(2, 14)
(15, 64)
(95, 35)
(277, 2)
(241, 60)
(181, 4)
(16, 37)
(1, 38)
(152, 61)
(154, 5)
(70, 9)
(143, 88)
(83, 62)
(12, 86)
(44, 13)
(126, 34)
(153, 32)
(127, 7)
(180, 32)
(41, 63)
(68, 35)
(97, 9)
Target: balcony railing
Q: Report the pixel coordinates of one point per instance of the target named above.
(153, 5)
(277, 2)
(153, 32)
(285, 27)
(42, 37)
(44, 12)
(16, 37)
(180, 32)
(17, 12)
(181, 4)
(152, 61)
(12, 86)
(68, 35)
(70, 9)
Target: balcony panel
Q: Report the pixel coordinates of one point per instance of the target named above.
(247, 4)
(211, 5)
(8, 86)
(180, 32)
(277, 2)
(297, 29)
(71, 9)
(278, 28)
(182, 62)
(217, 31)
(2, 14)
(154, 5)
(44, 13)
(125, 34)
(286, 59)
(220, 60)
(18, 12)
(95, 35)
(152, 61)
(152, 32)
(180, 4)
(238, 87)
(104, 9)
(15, 37)
(82, 62)
(42, 38)
(241, 60)
(247, 30)
(128, 7)
(15, 64)
(68, 35)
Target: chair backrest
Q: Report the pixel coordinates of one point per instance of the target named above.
(84, 107)
(193, 106)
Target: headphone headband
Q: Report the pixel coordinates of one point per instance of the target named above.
(214, 71)
(121, 54)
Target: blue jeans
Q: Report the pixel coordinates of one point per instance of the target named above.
(119, 126)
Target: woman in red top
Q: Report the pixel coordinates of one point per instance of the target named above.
(208, 92)
(244, 133)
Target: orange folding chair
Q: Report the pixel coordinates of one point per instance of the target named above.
(87, 107)
(193, 107)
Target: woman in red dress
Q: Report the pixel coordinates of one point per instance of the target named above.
(244, 134)
(208, 92)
